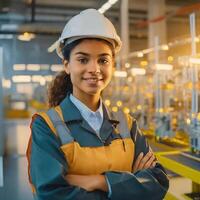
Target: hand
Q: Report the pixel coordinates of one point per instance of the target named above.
(144, 162)
(88, 182)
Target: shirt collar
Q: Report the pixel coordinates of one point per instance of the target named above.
(68, 107)
(84, 110)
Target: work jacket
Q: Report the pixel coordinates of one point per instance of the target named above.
(62, 142)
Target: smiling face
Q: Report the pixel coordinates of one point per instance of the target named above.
(90, 67)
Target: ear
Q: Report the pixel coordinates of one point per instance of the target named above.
(66, 66)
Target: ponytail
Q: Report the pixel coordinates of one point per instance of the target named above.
(59, 88)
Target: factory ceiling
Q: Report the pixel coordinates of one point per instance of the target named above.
(47, 17)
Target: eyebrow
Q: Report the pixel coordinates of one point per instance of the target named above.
(86, 54)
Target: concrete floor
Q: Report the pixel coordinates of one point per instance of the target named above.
(16, 186)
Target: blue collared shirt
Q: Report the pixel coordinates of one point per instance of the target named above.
(94, 119)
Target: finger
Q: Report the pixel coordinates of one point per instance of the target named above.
(137, 162)
(144, 160)
(149, 162)
(153, 164)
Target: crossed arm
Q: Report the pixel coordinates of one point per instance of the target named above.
(98, 182)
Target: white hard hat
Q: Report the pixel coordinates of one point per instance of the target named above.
(90, 23)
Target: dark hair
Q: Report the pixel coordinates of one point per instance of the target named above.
(62, 85)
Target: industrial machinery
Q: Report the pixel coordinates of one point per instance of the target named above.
(194, 66)
(16, 106)
(166, 123)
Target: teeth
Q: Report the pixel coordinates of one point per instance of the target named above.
(95, 79)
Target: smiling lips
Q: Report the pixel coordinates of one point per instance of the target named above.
(93, 79)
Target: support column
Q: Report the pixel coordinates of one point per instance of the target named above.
(156, 8)
(124, 30)
(1, 118)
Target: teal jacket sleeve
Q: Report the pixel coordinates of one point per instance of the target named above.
(151, 184)
(48, 168)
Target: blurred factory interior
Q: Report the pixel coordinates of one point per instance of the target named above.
(156, 80)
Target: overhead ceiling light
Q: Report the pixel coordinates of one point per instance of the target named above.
(197, 39)
(33, 67)
(48, 78)
(26, 37)
(166, 67)
(101, 10)
(106, 6)
(165, 47)
(44, 67)
(19, 67)
(112, 1)
(52, 47)
(40, 79)
(36, 78)
(9, 27)
(6, 83)
(194, 60)
(21, 79)
(121, 74)
(6, 36)
(140, 54)
(56, 68)
(138, 71)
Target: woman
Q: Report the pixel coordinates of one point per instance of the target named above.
(78, 149)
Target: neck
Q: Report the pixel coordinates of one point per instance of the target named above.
(91, 101)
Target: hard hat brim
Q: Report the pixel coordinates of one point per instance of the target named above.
(60, 43)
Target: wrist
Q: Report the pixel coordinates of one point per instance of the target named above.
(101, 183)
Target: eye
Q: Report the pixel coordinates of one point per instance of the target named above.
(83, 60)
(103, 61)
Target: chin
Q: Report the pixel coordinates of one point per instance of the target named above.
(93, 92)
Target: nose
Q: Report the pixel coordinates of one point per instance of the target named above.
(94, 67)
